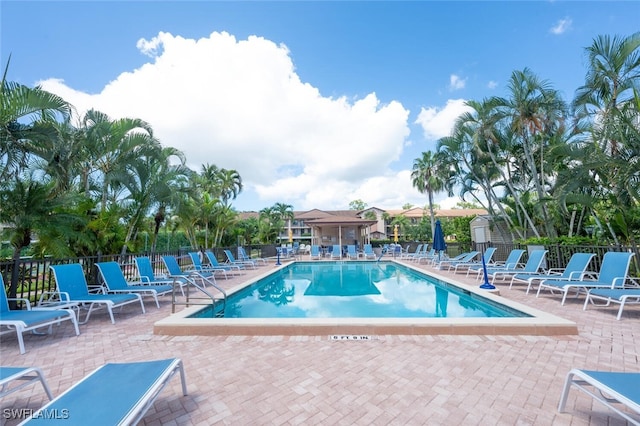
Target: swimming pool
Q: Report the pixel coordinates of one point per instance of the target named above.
(533, 322)
(354, 290)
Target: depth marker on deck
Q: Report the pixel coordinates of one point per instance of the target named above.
(351, 337)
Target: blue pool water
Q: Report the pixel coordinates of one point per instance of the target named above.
(355, 290)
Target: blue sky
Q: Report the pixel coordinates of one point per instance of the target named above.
(314, 103)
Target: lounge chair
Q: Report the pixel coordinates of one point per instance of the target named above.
(415, 253)
(193, 276)
(30, 319)
(26, 375)
(233, 261)
(242, 255)
(623, 296)
(315, 252)
(511, 263)
(114, 394)
(612, 388)
(198, 266)
(573, 271)
(613, 274)
(213, 261)
(532, 266)
(430, 256)
(116, 283)
(147, 276)
(368, 252)
(336, 252)
(450, 263)
(72, 287)
(487, 256)
(351, 252)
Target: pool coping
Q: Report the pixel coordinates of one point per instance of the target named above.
(538, 324)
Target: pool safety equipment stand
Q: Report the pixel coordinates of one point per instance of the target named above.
(486, 285)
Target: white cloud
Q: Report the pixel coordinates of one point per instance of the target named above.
(239, 104)
(437, 123)
(562, 26)
(492, 84)
(456, 83)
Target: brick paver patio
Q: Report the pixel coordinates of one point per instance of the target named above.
(400, 380)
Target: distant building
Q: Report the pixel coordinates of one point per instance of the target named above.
(328, 227)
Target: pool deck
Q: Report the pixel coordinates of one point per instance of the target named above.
(390, 379)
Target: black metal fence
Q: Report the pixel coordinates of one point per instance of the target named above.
(32, 277)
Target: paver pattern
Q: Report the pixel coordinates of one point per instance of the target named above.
(312, 380)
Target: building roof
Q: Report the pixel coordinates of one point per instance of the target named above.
(340, 220)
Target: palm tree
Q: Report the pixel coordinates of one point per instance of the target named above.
(428, 176)
(270, 224)
(29, 208)
(153, 180)
(611, 80)
(26, 117)
(284, 212)
(534, 111)
(230, 185)
(113, 145)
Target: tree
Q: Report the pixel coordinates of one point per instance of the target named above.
(31, 208)
(357, 205)
(429, 176)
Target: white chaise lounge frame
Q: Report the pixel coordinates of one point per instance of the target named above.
(9, 376)
(612, 388)
(114, 394)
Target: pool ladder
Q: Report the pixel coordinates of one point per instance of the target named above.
(193, 280)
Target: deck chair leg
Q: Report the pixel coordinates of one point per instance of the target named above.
(565, 393)
(19, 331)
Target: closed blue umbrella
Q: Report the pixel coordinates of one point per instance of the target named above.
(438, 239)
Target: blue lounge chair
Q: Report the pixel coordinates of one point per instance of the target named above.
(511, 263)
(336, 252)
(623, 296)
(573, 271)
(315, 252)
(116, 283)
(114, 394)
(147, 276)
(450, 263)
(213, 261)
(351, 252)
(72, 287)
(413, 255)
(175, 271)
(197, 265)
(487, 256)
(25, 375)
(430, 256)
(613, 274)
(30, 319)
(533, 265)
(242, 255)
(368, 252)
(231, 259)
(607, 387)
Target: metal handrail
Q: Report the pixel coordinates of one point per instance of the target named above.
(193, 279)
